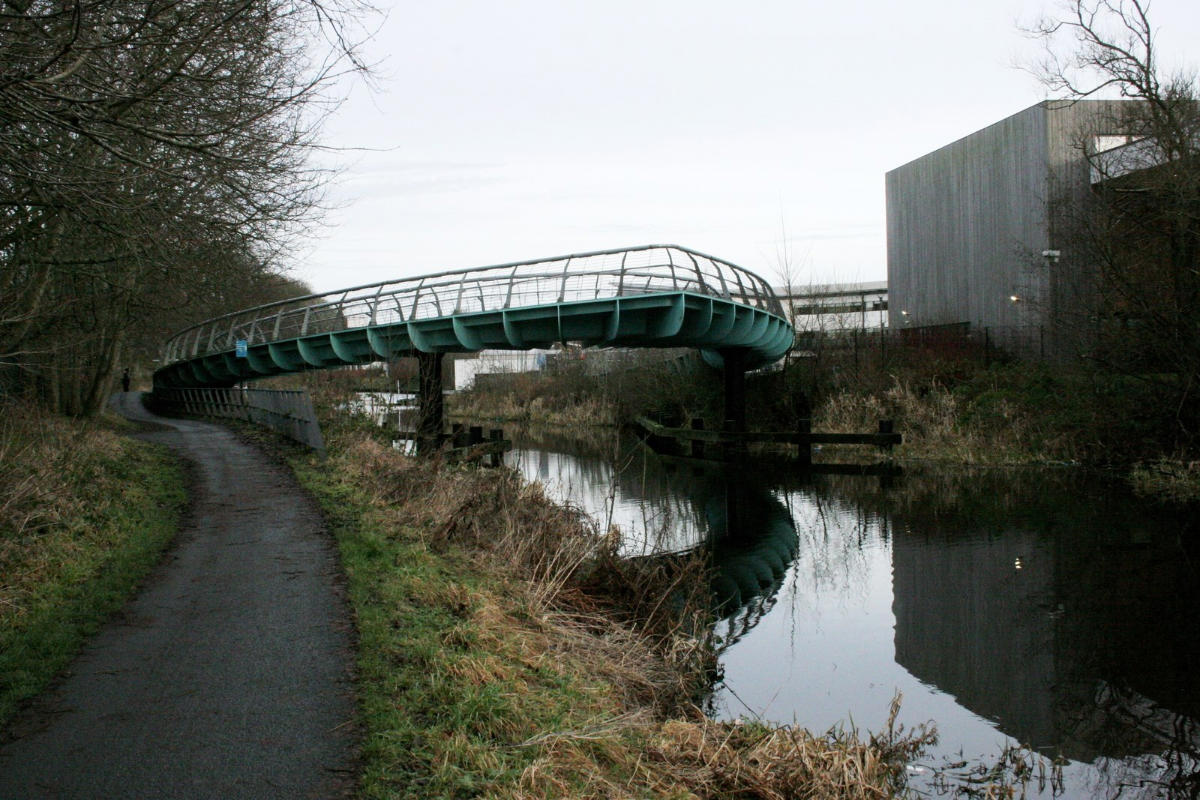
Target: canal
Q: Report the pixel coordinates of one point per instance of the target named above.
(1041, 608)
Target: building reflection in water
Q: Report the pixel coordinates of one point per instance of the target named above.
(1050, 609)
(1069, 617)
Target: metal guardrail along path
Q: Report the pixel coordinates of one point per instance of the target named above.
(650, 296)
(288, 411)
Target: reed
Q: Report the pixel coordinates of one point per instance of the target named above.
(938, 424)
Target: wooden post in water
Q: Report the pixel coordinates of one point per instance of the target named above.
(495, 435)
(430, 411)
(887, 426)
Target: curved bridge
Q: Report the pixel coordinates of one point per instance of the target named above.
(650, 296)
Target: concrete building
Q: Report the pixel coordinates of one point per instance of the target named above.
(973, 235)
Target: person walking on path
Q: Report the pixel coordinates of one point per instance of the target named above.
(125, 380)
(229, 675)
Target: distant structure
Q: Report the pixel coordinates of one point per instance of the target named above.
(973, 235)
(835, 306)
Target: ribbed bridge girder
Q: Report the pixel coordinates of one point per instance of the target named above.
(665, 297)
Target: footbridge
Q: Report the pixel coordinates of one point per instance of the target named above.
(648, 296)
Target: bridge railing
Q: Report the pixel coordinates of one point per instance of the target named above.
(604, 274)
(289, 411)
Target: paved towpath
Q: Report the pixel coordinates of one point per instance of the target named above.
(229, 676)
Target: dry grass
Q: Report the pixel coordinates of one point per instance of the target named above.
(557, 669)
(637, 616)
(936, 425)
(702, 758)
(541, 410)
(55, 480)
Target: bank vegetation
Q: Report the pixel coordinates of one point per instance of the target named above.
(506, 650)
(955, 403)
(85, 512)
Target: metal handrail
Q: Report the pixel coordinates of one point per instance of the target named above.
(571, 278)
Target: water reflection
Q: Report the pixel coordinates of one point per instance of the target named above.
(752, 544)
(1043, 608)
(1067, 615)
(665, 507)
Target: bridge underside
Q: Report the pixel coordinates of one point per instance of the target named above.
(672, 319)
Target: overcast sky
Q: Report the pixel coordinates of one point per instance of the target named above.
(515, 130)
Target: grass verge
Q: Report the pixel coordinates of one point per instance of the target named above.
(505, 651)
(84, 515)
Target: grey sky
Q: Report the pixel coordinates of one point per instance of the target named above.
(518, 130)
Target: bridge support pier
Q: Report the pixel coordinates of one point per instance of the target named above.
(734, 379)
(430, 411)
(734, 373)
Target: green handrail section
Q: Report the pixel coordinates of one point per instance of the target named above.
(649, 296)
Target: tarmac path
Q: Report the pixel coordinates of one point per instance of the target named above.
(229, 676)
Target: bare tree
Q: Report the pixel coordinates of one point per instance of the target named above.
(1136, 229)
(152, 154)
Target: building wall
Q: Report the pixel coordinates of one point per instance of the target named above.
(964, 223)
(1070, 294)
(967, 225)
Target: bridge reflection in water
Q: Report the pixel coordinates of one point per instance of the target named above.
(665, 509)
(1040, 608)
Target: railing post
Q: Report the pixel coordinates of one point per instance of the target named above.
(512, 279)
(412, 314)
(701, 285)
(562, 289)
(375, 305)
(671, 264)
(458, 300)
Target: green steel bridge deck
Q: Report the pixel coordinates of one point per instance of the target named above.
(650, 296)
